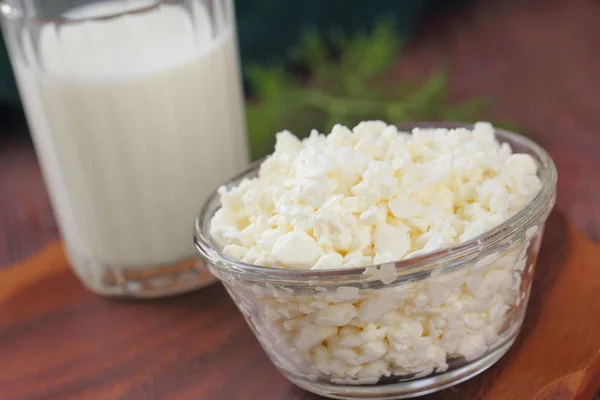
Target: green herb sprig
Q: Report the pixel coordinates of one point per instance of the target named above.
(346, 83)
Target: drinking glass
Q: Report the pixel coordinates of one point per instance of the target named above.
(136, 112)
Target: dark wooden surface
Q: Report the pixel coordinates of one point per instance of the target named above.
(57, 341)
(540, 61)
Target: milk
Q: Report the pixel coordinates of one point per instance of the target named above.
(135, 120)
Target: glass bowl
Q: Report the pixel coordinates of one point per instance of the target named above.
(396, 330)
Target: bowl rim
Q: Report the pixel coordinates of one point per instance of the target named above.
(540, 205)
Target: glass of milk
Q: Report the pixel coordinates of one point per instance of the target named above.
(136, 112)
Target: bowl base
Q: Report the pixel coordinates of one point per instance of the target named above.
(407, 389)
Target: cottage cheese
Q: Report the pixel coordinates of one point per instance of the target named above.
(375, 195)
(372, 195)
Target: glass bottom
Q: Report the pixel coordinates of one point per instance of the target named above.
(407, 389)
(147, 282)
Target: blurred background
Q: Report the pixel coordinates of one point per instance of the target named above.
(528, 65)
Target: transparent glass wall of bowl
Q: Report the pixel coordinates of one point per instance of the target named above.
(397, 330)
(136, 112)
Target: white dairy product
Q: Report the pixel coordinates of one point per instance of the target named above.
(373, 196)
(135, 120)
(411, 329)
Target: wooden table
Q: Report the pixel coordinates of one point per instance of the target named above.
(539, 59)
(57, 341)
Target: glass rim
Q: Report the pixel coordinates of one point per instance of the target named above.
(8, 11)
(541, 204)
